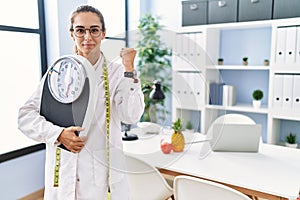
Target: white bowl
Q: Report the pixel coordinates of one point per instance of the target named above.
(149, 127)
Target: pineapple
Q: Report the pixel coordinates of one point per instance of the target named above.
(177, 136)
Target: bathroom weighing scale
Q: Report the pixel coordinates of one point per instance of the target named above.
(68, 93)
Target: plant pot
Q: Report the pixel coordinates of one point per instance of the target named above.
(256, 103)
(266, 63)
(291, 145)
(189, 130)
(245, 63)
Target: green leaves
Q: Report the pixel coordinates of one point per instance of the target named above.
(154, 64)
(291, 138)
(257, 94)
(177, 126)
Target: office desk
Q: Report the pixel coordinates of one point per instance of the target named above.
(273, 173)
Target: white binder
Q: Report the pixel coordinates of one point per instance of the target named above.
(298, 46)
(199, 88)
(182, 87)
(287, 91)
(179, 50)
(290, 48)
(229, 95)
(296, 93)
(280, 45)
(185, 48)
(177, 89)
(277, 91)
(190, 97)
(192, 50)
(175, 51)
(199, 53)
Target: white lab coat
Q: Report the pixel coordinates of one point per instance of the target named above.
(84, 175)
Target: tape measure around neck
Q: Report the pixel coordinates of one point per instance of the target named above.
(107, 125)
(107, 115)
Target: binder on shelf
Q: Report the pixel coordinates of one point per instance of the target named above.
(185, 41)
(280, 45)
(298, 46)
(290, 48)
(296, 92)
(216, 93)
(175, 50)
(199, 87)
(220, 93)
(179, 89)
(190, 97)
(192, 50)
(229, 95)
(179, 51)
(213, 93)
(287, 91)
(199, 49)
(277, 91)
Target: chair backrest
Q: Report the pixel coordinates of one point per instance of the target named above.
(187, 187)
(145, 181)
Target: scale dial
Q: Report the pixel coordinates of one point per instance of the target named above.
(66, 79)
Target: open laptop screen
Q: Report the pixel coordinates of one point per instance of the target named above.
(236, 137)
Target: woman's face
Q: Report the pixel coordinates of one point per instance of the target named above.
(88, 23)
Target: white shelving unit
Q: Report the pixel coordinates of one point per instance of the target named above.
(209, 43)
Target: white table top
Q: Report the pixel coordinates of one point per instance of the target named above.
(274, 169)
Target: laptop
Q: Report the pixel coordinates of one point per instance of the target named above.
(236, 137)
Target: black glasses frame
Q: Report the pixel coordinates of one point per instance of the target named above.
(85, 29)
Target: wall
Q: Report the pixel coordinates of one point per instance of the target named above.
(22, 176)
(57, 15)
(168, 10)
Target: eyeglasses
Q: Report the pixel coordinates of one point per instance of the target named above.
(81, 31)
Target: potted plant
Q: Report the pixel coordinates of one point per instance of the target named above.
(245, 60)
(257, 97)
(220, 61)
(189, 126)
(266, 62)
(291, 140)
(154, 63)
(177, 139)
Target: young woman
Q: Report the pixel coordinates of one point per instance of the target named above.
(83, 170)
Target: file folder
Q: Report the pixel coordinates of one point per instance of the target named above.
(179, 50)
(181, 88)
(213, 93)
(287, 91)
(298, 46)
(175, 51)
(190, 97)
(176, 89)
(290, 49)
(199, 88)
(185, 49)
(229, 95)
(296, 92)
(277, 91)
(280, 45)
(199, 53)
(192, 50)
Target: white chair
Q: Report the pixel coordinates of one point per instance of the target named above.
(187, 188)
(145, 181)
